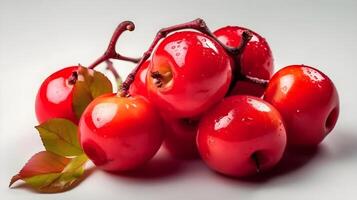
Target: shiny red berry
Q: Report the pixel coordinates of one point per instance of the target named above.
(120, 133)
(180, 137)
(189, 73)
(241, 136)
(54, 98)
(256, 60)
(308, 101)
(247, 87)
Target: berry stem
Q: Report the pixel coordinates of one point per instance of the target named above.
(246, 37)
(197, 24)
(111, 53)
(111, 68)
(73, 78)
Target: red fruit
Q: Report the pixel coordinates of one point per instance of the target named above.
(241, 136)
(54, 98)
(308, 101)
(247, 87)
(189, 73)
(180, 137)
(120, 133)
(256, 60)
(138, 87)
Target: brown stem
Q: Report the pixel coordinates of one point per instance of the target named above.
(73, 78)
(111, 68)
(111, 53)
(197, 24)
(246, 37)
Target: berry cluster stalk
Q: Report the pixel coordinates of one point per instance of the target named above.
(111, 53)
(197, 24)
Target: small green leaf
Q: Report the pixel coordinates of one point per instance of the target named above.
(48, 172)
(90, 84)
(42, 180)
(60, 136)
(42, 163)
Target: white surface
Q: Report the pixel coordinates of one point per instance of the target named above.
(39, 37)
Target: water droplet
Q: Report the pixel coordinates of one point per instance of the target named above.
(246, 119)
(173, 47)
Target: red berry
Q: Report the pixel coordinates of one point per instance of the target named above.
(247, 87)
(189, 73)
(256, 60)
(138, 87)
(120, 133)
(308, 101)
(54, 98)
(241, 136)
(180, 137)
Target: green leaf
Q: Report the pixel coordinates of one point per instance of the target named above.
(41, 181)
(60, 136)
(42, 163)
(89, 85)
(48, 172)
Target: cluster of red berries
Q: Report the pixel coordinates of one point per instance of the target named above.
(198, 93)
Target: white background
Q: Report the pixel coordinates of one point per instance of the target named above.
(40, 37)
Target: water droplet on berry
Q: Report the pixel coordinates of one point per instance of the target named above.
(246, 119)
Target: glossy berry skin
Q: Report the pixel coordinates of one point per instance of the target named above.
(246, 87)
(189, 73)
(308, 101)
(54, 98)
(120, 133)
(138, 87)
(257, 59)
(241, 136)
(180, 137)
